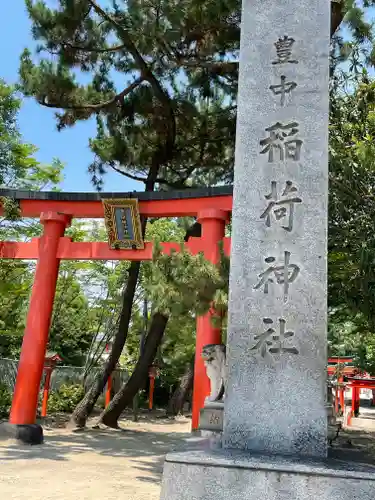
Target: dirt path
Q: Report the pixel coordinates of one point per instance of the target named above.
(92, 465)
(126, 464)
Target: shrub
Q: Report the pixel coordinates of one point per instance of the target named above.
(5, 401)
(66, 398)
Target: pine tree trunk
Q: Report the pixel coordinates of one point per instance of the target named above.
(126, 394)
(337, 14)
(176, 403)
(85, 407)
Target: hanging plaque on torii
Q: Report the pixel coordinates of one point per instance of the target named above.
(123, 224)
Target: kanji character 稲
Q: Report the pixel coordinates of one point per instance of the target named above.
(287, 149)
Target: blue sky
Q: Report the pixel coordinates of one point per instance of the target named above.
(37, 124)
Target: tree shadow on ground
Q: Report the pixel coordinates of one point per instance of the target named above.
(146, 450)
(354, 446)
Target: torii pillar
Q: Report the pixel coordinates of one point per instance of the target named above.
(213, 231)
(31, 363)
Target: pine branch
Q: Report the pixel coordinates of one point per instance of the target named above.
(218, 67)
(130, 176)
(101, 105)
(128, 43)
(148, 75)
(115, 48)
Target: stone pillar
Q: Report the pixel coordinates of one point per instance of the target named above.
(213, 231)
(276, 392)
(30, 367)
(277, 307)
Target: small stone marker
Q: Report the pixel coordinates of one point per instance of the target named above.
(276, 395)
(211, 417)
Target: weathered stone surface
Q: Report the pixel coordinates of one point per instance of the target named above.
(27, 434)
(276, 392)
(211, 417)
(237, 476)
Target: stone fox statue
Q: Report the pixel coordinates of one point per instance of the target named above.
(214, 356)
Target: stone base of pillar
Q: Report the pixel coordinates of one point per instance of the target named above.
(224, 474)
(26, 433)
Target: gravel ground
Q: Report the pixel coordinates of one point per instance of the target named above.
(118, 464)
(91, 465)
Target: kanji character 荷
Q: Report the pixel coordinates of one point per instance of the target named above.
(283, 207)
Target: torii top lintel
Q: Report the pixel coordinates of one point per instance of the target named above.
(188, 202)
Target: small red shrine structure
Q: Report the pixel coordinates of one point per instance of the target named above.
(153, 373)
(210, 206)
(347, 369)
(50, 361)
(351, 378)
(356, 384)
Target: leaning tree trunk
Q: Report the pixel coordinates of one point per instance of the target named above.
(337, 14)
(85, 407)
(127, 392)
(176, 403)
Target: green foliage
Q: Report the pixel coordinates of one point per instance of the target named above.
(73, 324)
(65, 398)
(351, 256)
(18, 167)
(5, 401)
(181, 282)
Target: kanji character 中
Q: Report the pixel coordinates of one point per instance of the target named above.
(283, 89)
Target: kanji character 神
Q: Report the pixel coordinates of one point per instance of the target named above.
(290, 149)
(283, 89)
(284, 50)
(283, 207)
(272, 341)
(284, 274)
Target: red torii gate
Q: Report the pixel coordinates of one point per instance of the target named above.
(211, 207)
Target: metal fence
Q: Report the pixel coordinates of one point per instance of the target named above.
(60, 376)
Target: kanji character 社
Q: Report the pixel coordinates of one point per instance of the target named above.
(273, 341)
